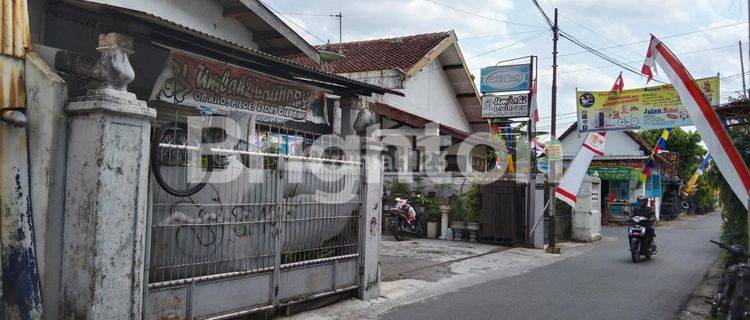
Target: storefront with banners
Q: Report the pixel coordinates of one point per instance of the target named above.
(620, 170)
(620, 180)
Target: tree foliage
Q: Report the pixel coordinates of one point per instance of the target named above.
(687, 146)
(734, 229)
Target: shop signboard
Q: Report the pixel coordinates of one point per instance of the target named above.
(656, 107)
(505, 106)
(213, 86)
(505, 78)
(615, 172)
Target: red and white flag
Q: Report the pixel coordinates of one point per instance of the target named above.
(704, 117)
(573, 178)
(534, 110)
(619, 83)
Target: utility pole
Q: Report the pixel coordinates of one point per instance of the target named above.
(552, 248)
(553, 130)
(742, 69)
(340, 17)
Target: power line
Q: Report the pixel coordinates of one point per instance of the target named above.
(481, 16)
(632, 61)
(308, 14)
(291, 21)
(496, 35)
(733, 76)
(645, 41)
(597, 34)
(599, 54)
(511, 44)
(544, 14)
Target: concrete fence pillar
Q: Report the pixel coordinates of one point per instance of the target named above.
(371, 214)
(106, 193)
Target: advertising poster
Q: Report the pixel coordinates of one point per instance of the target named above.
(656, 107)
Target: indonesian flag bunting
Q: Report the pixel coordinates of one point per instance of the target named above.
(691, 183)
(704, 117)
(619, 83)
(661, 144)
(571, 181)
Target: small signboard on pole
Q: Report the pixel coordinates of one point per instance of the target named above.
(505, 106)
(505, 78)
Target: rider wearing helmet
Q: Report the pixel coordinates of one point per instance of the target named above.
(642, 209)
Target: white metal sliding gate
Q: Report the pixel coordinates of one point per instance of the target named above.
(284, 229)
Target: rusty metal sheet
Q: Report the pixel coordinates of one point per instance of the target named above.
(12, 83)
(15, 37)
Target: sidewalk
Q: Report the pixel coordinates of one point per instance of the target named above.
(419, 269)
(402, 259)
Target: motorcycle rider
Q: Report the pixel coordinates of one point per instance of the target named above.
(401, 204)
(642, 209)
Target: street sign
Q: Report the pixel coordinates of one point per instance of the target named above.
(542, 165)
(505, 106)
(505, 78)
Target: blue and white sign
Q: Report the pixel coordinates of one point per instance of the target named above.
(505, 78)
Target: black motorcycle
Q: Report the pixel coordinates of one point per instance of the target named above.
(731, 296)
(401, 226)
(641, 243)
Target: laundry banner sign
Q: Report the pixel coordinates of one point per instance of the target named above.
(657, 107)
(504, 106)
(505, 78)
(209, 85)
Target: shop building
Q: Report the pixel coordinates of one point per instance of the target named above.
(620, 169)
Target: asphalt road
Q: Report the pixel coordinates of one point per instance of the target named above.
(601, 283)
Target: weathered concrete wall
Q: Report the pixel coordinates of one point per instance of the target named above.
(390, 78)
(106, 193)
(19, 295)
(46, 96)
(105, 210)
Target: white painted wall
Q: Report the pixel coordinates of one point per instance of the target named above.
(618, 144)
(202, 15)
(430, 95)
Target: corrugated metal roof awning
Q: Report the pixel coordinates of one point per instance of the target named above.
(172, 34)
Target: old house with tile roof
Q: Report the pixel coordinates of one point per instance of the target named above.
(430, 70)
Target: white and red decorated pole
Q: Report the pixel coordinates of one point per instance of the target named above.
(573, 178)
(704, 117)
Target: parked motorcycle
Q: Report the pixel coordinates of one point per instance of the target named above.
(732, 295)
(641, 243)
(403, 221)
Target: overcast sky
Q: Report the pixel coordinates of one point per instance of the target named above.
(494, 30)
